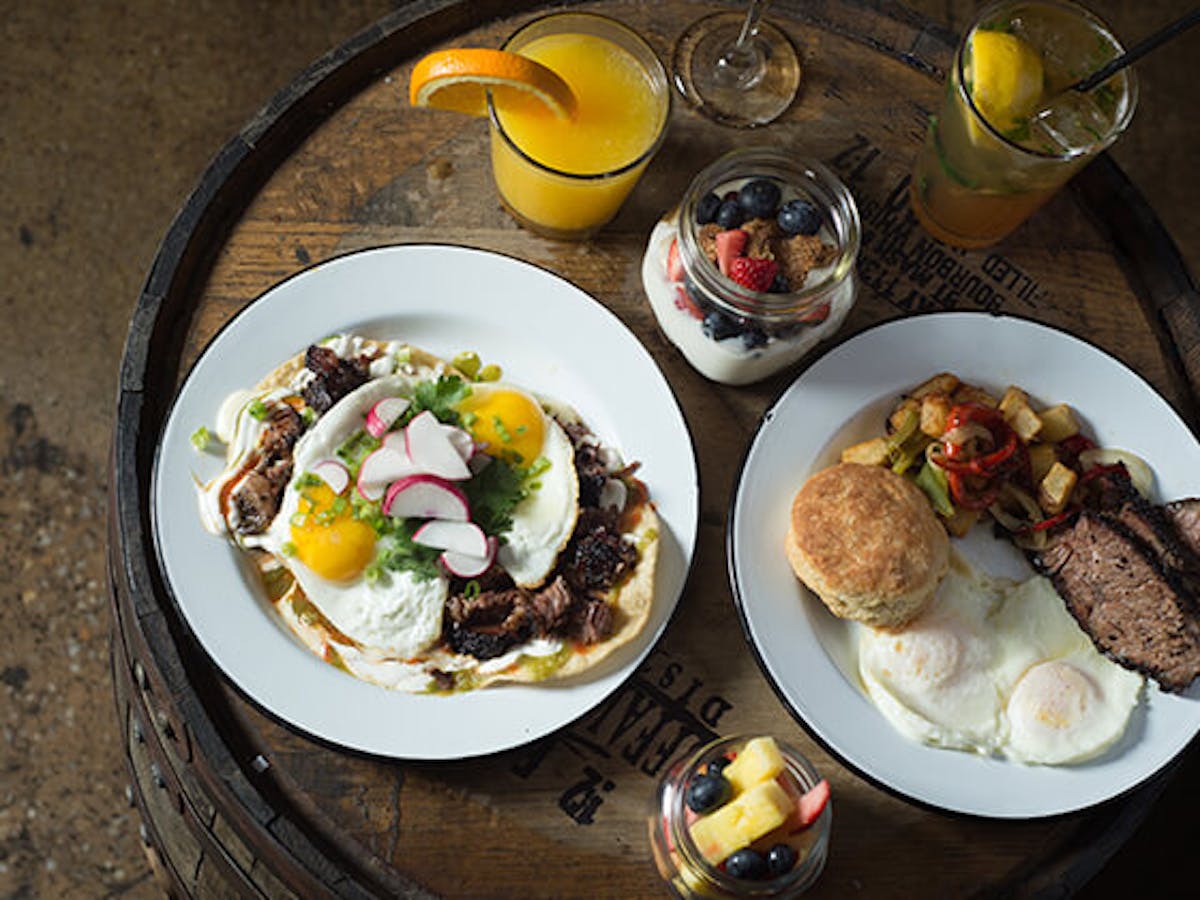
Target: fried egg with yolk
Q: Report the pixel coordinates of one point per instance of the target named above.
(510, 424)
(327, 549)
(995, 666)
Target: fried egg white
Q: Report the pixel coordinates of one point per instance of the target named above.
(998, 667)
(510, 424)
(933, 680)
(327, 549)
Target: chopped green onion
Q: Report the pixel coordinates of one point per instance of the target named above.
(201, 438)
(257, 410)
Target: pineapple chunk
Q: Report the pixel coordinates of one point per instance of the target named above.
(868, 453)
(1058, 423)
(759, 760)
(756, 811)
(1055, 489)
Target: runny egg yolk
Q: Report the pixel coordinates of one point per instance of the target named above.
(508, 423)
(327, 537)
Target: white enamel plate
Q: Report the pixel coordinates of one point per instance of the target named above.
(806, 653)
(547, 335)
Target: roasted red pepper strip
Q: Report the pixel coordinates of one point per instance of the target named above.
(966, 498)
(1051, 521)
(1004, 439)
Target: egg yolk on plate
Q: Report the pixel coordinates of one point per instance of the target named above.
(328, 539)
(509, 423)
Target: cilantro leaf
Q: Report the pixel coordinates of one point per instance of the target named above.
(493, 494)
(440, 398)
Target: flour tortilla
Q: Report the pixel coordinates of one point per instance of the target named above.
(632, 600)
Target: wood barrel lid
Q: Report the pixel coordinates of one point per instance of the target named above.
(338, 162)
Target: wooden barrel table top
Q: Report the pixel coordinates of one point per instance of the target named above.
(236, 801)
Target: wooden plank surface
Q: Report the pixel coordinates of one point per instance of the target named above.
(570, 808)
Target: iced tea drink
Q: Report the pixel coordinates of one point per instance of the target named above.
(1010, 131)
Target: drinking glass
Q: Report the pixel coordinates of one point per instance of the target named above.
(737, 69)
(976, 180)
(567, 178)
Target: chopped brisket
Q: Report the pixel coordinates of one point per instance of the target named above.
(257, 496)
(1184, 515)
(589, 467)
(333, 377)
(493, 622)
(597, 556)
(1135, 610)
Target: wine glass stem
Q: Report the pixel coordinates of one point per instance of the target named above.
(743, 63)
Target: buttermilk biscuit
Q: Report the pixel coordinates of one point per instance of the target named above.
(866, 541)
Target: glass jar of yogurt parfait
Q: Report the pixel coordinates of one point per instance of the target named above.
(756, 264)
(763, 827)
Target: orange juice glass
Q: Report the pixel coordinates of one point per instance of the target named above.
(567, 178)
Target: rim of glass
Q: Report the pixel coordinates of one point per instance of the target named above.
(843, 214)
(657, 73)
(1087, 15)
(807, 869)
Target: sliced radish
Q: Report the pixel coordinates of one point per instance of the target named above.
(381, 468)
(432, 450)
(396, 440)
(462, 441)
(333, 473)
(465, 566)
(383, 415)
(425, 497)
(464, 538)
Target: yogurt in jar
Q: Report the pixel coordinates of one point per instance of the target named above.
(730, 333)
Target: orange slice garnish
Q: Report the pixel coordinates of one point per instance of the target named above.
(459, 80)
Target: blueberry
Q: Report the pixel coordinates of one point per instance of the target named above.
(746, 863)
(759, 198)
(781, 859)
(719, 326)
(729, 215)
(753, 336)
(707, 792)
(706, 209)
(779, 285)
(799, 217)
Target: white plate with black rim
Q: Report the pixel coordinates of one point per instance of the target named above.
(548, 336)
(808, 655)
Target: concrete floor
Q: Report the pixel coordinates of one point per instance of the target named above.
(109, 113)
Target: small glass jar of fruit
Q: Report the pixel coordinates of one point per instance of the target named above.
(743, 817)
(755, 265)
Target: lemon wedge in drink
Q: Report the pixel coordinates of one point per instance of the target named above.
(1005, 81)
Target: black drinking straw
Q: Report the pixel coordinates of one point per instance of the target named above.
(1137, 51)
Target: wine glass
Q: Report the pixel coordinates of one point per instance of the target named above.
(737, 69)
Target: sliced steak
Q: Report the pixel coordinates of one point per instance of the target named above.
(257, 495)
(333, 377)
(1185, 516)
(1133, 609)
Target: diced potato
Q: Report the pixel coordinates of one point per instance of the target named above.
(969, 393)
(961, 522)
(1054, 490)
(1013, 398)
(1058, 423)
(899, 419)
(1025, 422)
(1041, 458)
(868, 453)
(943, 383)
(934, 410)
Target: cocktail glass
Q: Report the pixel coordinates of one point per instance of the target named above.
(736, 68)
(976, 179)
(567, 178)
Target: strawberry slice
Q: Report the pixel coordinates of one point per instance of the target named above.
(684, 301)
(820, 314)
(755, 274)
(674, 263)
(730, 245)
(812, 802)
